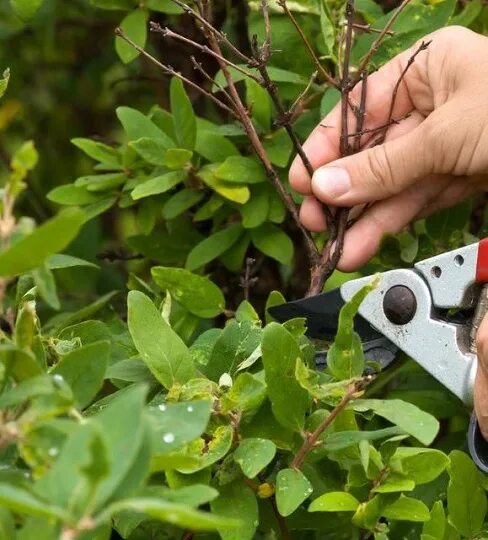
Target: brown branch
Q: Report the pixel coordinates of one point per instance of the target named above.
(368, 29)
(243, 116)
(361, 113)
(168, 70)
(247, 281)
(285, 533)
(220, 36)
(200, 69)
(325, 75)
(312, 439)
(167, 32)
(422, 47)
(363, 65)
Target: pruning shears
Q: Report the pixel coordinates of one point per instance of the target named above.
(431, 312)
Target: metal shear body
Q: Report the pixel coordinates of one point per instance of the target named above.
(412, 309)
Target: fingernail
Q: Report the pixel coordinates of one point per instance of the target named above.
(331, 182)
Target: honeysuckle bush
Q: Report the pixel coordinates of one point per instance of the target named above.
(181, 409)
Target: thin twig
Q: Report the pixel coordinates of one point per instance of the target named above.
(302, 94)
(168, 70)
(312, 439)
(220, 36)
(285, 533)
(368, 29)
(326, 76)
(363, 65)
(361, 113)
(247, 281)
(167, 32)
(243, 115)
(422, 47)
(200, 69)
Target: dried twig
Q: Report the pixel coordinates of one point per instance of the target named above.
(168, 70)
(247, 281)
(368, 29)
(325, 75)
(363, 65)
(166, 32)
(422, 47)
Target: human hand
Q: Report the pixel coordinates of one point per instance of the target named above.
(481, 381)
(432, 159)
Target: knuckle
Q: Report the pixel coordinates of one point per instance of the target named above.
(380, 169)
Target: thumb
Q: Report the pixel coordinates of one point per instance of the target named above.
(481, 382)
(374, 174)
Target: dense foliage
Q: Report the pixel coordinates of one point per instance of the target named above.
(185, 411)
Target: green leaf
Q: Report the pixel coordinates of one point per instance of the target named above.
(113, 4)
(197, 293)
(275, 298)
(213, 246)
(100, 152)
(407, 509)
(134, 27)
(177, 158)
(184, 120)
(329, 101)
(159, 184)
(152, 151)
(280, 354)
(164, 6)
(241, 170)
(238, 502)
(410, 418)
(84, 370)
(20, 364)
(278, 147)
(138, 126)
(253, 455)
(4, 80)
(334, 501)
(128, 456)
(25, 157)
(446, 225)
(343, 439)
(273, 242)
(246, 394)
(71, 195)
(51, 237)
(436, 525)
(175, 424)
(468, 15)
(46, 286)
(276, 75)
(56, 262)
(26, 9)
(292, 488)
(161, 349)
(177, 514)
(236, 342)
(422, 464)
(327, 27)
(181, 202)
(259, 103)
(22, 501)
(214, 147)
(466, 499)
(101, 182)
(255, 211)
(233, 192)
(345, 358)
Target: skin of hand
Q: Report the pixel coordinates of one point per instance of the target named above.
(432, 159)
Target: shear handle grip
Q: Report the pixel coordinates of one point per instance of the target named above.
(477, 445)
(482, 262)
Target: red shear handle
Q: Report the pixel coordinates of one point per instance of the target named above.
(482, 262)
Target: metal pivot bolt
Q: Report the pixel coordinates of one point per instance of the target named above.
(399, 304)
